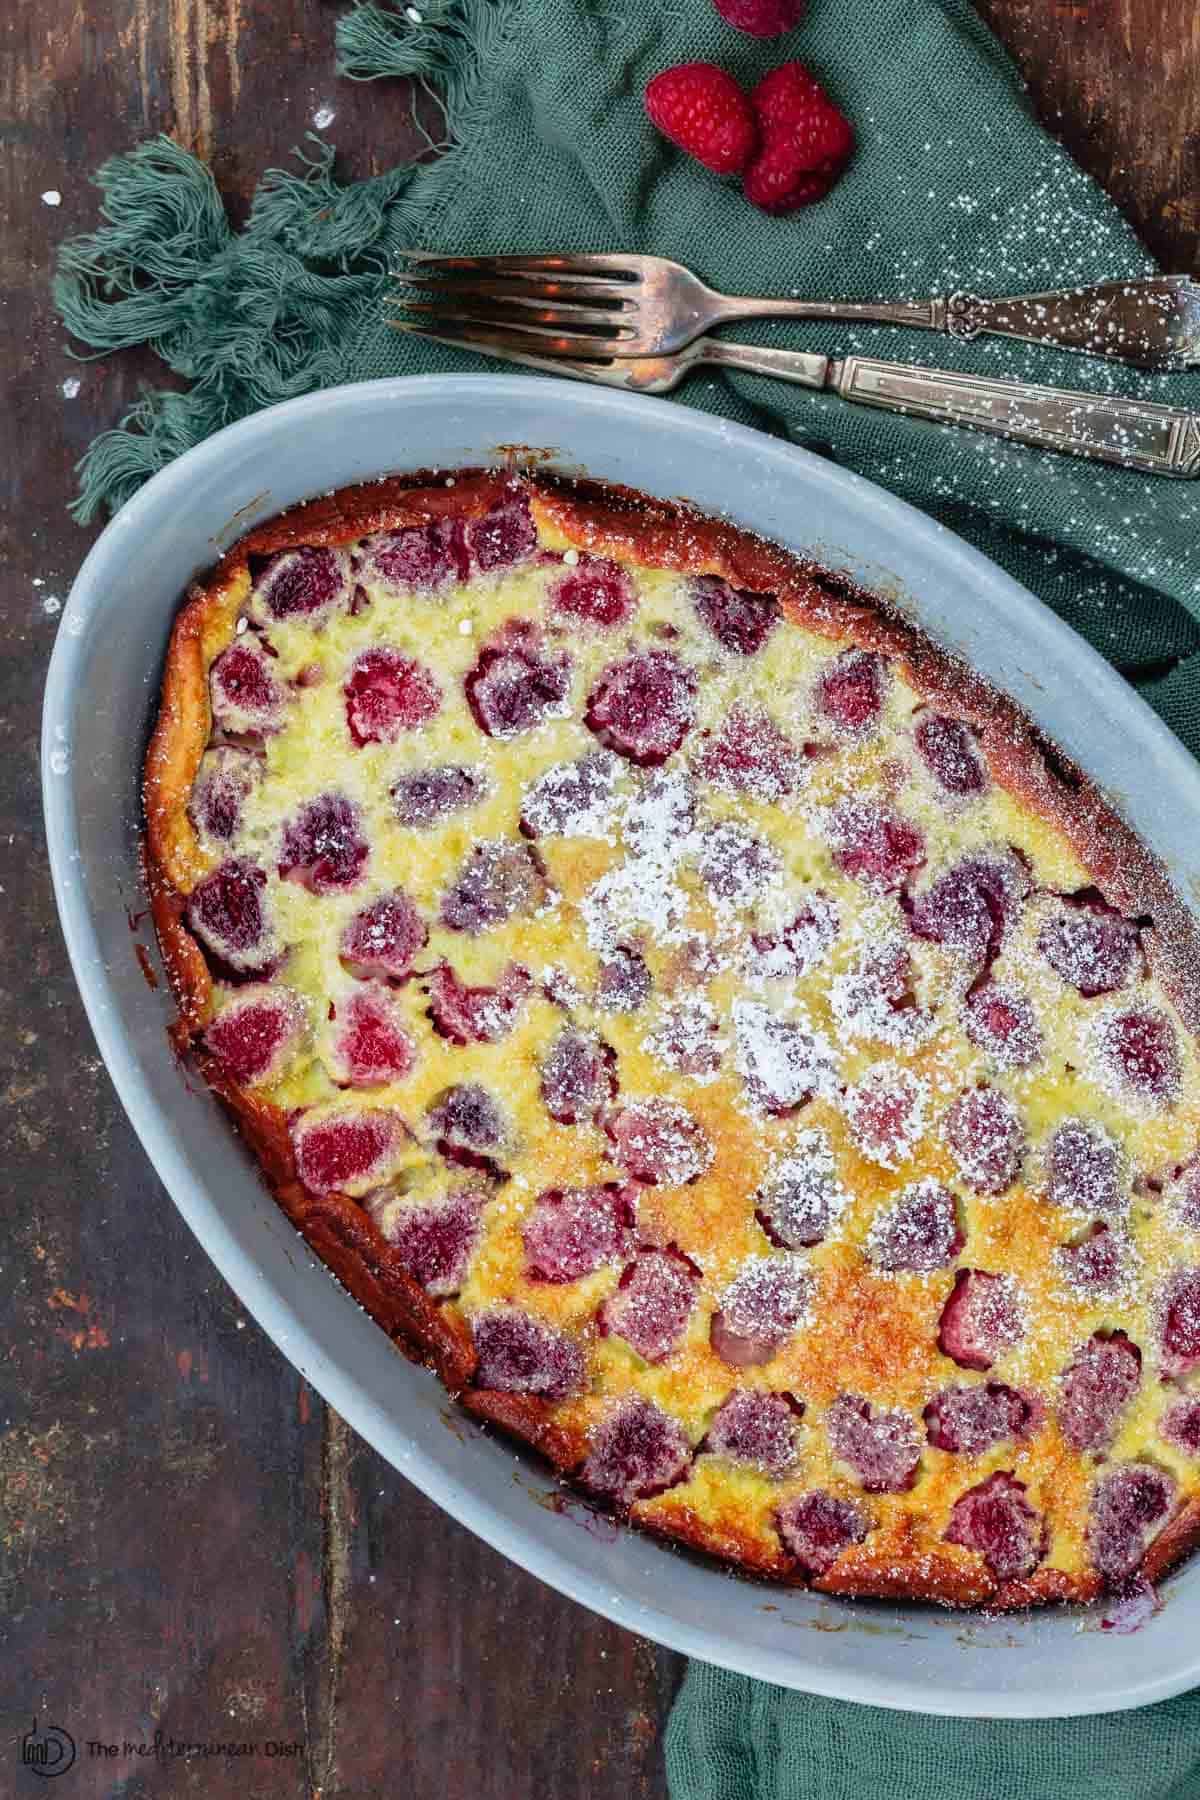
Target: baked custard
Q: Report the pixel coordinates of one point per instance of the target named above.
(703, 1020)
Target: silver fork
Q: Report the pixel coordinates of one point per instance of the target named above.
(649, 306)
(1136, 434)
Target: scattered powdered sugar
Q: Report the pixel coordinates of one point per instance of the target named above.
(560, 986)
(782, 1060)
(573, 799)
(686, 1037)
(323, 117)
(735, 866)
(875, 998)
(643, 890)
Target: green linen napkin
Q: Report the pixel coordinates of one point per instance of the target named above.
(954, 186)
(730, 1738)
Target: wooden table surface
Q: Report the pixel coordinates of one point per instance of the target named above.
(190, 1541)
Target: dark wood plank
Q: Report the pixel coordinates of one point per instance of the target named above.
(188, 1541)
(1118, 81)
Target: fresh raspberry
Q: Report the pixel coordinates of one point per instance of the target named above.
(806, 141)
(761, 18)
(704, 111)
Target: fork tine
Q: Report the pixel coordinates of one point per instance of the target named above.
(531, 338)
(599, 370)
(525, 316)
(564, 268)
(534, 290)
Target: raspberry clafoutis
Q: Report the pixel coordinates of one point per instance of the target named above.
(704, 1021)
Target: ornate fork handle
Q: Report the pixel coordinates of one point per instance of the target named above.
(1137, 434)
(1153, 320)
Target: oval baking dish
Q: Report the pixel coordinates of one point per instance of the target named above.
(100, 693)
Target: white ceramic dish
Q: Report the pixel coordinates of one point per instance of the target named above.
(100, 694)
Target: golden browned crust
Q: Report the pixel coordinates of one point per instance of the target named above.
(528, 1419)
(609, 519)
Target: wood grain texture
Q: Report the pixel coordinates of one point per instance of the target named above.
(189, 1541)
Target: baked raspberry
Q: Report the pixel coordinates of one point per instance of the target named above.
(996, 1520)
(850, 693)
(572, 1232)
(883, 1448)
(980, 1320)
(623, 981)
(387, 694)
(757, 1428)
(517, 683)
(1002, 1024)
(426, 796)
(658, 1142)
(1090, 945)
(255, 1032)
(949, 751)
(638, 1450)
(1184, 1195)
(572, 799)
(1096, 1263)
(800, 1199)
(382, 941)
(922, 1231)
(370, 1044)
(800, 946)
(782, 1061)
(876, 998)
(739, 620)
(704, 111)
(761, 1308)
(806, 141)
(735, 865)
(323, 848)
(817, 1526)
(1084, 1169)
(436, 1239)
(1179, 1322)
(579, 1077)
(874, 845)
(596, 590)
(643, 707)
(520, 1355)
(985, 1134)
(652, 1303)
(752, 756)
(1139, 1054)
(887, 1111)
(967, 1421)
(467, 1123)
(1131, 1503)
(245, 694)
(1095, 1388)
(505, 536)
(761, 18)
(971, 908)
(227, 909)
(476, 1015)
(225, 778)
(349, 1153)
(1180, 1426)
(302, 584)
(421, 557)
(498, 880)
(686, 1038)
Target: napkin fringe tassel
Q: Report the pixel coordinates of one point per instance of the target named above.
(254, 317)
